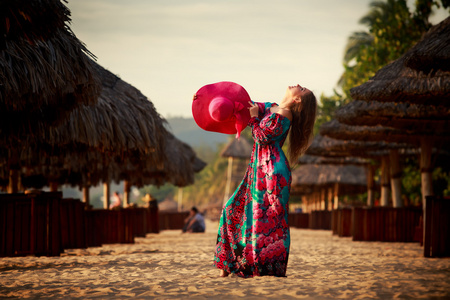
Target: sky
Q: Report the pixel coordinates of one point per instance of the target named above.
(168, 49)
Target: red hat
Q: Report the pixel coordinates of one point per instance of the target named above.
(222, 107)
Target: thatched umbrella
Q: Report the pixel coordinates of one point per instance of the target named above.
(406, 116)
(329, 146)
(122, 137)
(310, 178)
(45, 70)
(367, 163)
(378, 150)
(421, 75)
(322, 160)
(236, 148)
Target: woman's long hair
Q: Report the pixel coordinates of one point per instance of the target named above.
(303, 118)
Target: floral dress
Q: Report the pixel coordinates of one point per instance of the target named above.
(253, 237)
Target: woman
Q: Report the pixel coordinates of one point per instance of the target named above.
(253, 238)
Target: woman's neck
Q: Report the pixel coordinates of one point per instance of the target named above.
(284, 106)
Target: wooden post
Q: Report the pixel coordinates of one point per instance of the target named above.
(180, 198)
(385, 186)
(53, 186)
(304, 204)
(106, 195)
(126, 193)
(336, 196)
(426, 169)
(324, 205)
(13, 185)
(330, 197)
(86, 198)
(370, 185)
(396, 174)
(228, 184)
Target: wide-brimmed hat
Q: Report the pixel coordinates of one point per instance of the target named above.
(222, 107)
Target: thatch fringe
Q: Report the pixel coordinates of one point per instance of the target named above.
(428, 118)
(322, 160)
(421, 75)
(238, 148)
(337, 130)
(331, 147)
(312, 177)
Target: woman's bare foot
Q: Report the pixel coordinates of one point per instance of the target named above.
(224, 273)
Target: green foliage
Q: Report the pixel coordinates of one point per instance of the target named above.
(411, 181)
(392, 30)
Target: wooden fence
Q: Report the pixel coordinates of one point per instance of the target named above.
(320, 219)
(437, 227)
(299, 220)
(341, 222)
(45, 224)
(385, 224)
(29, 224)
(172, 220)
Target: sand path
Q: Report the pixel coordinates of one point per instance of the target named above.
(173, 265)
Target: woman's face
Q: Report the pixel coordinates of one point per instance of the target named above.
(295, 92)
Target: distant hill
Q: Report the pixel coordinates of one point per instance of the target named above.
(188, 131)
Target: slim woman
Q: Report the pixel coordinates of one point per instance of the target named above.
(253, 237)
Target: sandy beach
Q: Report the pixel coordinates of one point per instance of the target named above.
(172, 265)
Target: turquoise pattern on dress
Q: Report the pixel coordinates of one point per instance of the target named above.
(253, 237)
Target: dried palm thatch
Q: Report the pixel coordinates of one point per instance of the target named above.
(406, 116)
(122, 137)
(45, 70)
(238, 148)
(340, 131)
(31, 20)
(421, 75)
(312, 177)
(323, 160)
(178, 168)
(95, 167)
(122, 120)
(330, 147)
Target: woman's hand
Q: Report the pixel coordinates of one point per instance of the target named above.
(253, 109)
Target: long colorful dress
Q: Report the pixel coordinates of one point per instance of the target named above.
(253, 237)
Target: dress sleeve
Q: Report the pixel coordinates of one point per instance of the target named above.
(265, 131)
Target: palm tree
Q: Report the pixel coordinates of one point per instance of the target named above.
(392, 30)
